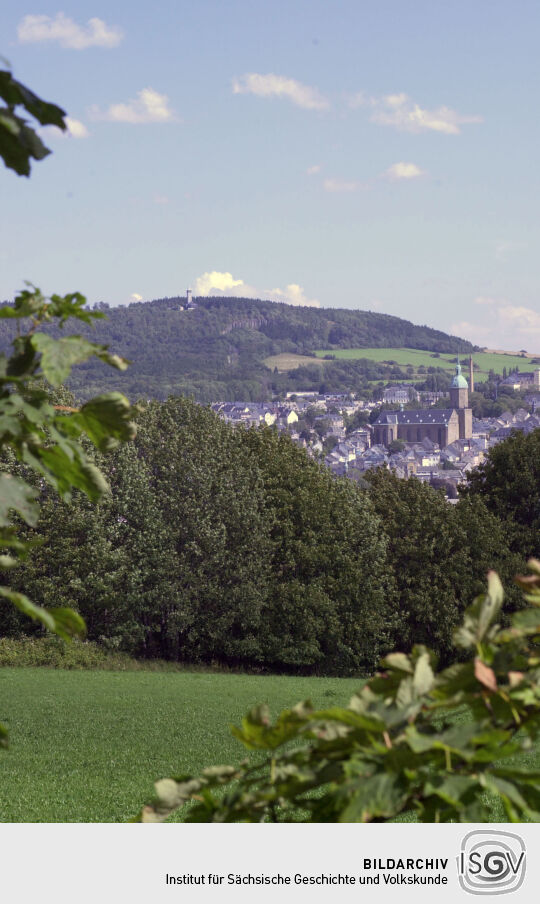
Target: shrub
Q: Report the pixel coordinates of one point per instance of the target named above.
(53, 652)
(400, 745)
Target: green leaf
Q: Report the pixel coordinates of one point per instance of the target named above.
(27, 304)
(71, 305)
(258, 733)
(398, 661)
(17, 495)
(106, 420)
(451, 788)
(64, 622)
(14, 152)
(509, 793)
(367, 722)
(380, 795)
(458, 738)
(58, 356)
(67, 471)
(479, 617)
(16, 94)
(67, 622)
(424, 678)
(112, 360)
(528, 619)
(19, 142)
(24, 361)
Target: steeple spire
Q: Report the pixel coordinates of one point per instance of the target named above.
(459, 400)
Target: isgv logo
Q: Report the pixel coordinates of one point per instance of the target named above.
(491, 863)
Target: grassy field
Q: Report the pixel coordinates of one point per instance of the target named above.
(87, 746)
(288, 361)
(416, 357)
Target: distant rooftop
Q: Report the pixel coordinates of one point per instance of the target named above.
(422, 416)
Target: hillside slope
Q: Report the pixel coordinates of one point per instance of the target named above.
(216, 351)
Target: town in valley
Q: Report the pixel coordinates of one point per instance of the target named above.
(405, 430)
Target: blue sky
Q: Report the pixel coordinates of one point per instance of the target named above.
(374, 154)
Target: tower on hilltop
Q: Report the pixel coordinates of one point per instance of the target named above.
(459, 399)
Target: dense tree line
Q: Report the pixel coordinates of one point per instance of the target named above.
(216, 351)
(508, 482)
(219, 545)
(433, 544)
(233, 546)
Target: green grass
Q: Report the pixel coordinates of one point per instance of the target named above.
(86, 746)
(289, 361)
(416, 357)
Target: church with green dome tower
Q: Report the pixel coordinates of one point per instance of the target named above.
(459, 400)
(441, 425)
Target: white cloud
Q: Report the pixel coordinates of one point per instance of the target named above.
(34, 29)
(215, 282)
(313, 170)
(400, 111)
(505, 248)
(75, 129)
(403, 171)
(360, 99)
(503, 326)
(135, 297)
(149, 106)
(519, 317)
(395, 100)
(340, 185)
(279, 86)
(293, 294)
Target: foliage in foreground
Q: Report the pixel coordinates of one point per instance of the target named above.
(19, 141)
(398, 746)
(42, 444)
(40, 440)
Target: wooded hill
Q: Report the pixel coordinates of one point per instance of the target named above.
(216, 351)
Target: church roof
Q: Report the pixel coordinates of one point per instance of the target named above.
(436, 416)
(459, 381)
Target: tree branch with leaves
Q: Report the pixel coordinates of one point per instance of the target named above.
(42, 444)
(414, 740)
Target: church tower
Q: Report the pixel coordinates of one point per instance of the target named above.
(459, 399)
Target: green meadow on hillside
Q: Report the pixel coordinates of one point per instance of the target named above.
(86, 746)
(289, 361)
(416, 358)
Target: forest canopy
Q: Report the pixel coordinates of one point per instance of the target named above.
(216, 351)
(232, 546)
